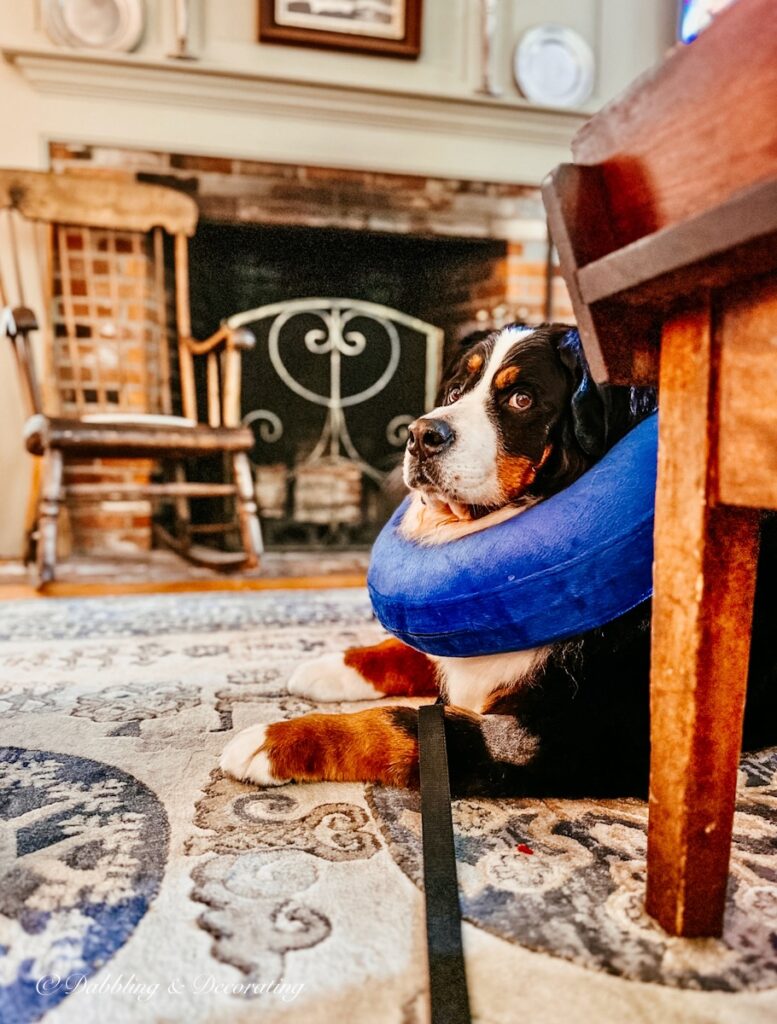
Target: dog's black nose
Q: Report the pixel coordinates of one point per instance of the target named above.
(428, 437)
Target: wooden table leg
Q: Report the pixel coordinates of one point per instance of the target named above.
(704, 578)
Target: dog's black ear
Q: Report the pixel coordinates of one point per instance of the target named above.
(625, 407)
(589, 419)
(601, 413)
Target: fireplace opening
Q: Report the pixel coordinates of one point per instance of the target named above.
(442, 280)
(435, 257)
(330, 386)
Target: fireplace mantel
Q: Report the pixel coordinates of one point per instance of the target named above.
(78, 72)
(466, 118)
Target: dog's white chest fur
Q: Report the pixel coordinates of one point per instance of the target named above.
(468, 682)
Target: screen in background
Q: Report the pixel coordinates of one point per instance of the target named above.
(696, 15)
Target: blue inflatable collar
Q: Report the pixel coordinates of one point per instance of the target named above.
(573, 563)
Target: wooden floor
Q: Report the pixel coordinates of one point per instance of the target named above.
(163, 572)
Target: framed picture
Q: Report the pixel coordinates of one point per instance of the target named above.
(389, 28)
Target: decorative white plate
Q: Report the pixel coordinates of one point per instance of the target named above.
(95, 24)
(554, 66)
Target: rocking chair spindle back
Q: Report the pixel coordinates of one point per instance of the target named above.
(86, 253)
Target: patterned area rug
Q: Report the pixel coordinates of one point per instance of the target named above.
(138, 884)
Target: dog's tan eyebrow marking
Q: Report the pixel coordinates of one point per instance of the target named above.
(474, 362)
(507, 376)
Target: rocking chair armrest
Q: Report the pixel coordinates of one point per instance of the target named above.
(224, 337)
(223, 388)
(19, 320)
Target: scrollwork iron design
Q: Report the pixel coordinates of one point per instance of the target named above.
(339, 338)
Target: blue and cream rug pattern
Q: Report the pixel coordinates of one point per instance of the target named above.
(139, 884)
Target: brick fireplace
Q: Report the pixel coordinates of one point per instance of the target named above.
(457, 254)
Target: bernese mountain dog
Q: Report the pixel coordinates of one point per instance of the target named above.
(519, 419)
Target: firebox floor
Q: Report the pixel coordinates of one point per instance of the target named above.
(163, 571)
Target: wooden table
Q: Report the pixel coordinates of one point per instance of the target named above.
(666, 228)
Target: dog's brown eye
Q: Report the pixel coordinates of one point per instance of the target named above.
(453, 395)
(520, 400)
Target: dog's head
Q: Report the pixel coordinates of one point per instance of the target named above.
(520, 418)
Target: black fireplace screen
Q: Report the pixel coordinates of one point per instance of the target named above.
(320, 471)
(328, 391)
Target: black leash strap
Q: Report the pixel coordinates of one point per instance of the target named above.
(447, 977)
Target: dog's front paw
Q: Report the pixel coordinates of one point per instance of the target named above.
(329, 679)
(245, 758)
(366, 746)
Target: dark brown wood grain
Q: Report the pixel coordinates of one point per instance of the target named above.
(686, 136)
(132, 441)
(571, 196)
(619, 341)
(703, 588)
(747, 454)
(666, 228)
(735, 240)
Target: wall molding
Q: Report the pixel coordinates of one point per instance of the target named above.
(206, 86)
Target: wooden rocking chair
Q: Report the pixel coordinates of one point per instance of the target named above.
(86, 253)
